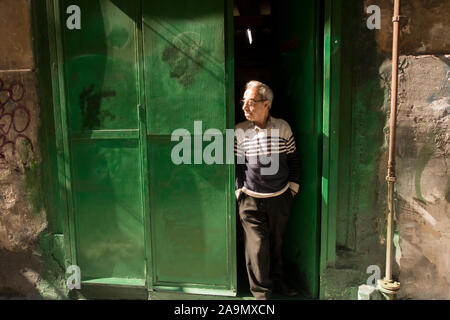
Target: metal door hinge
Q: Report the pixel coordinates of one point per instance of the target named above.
(141, 113)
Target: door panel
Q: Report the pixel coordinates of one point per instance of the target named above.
(189, 222)
(184, 49)
(108, 208)
(100, 73)
(100, 67)
(184, 72)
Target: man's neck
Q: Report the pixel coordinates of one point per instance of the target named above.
(264, 123)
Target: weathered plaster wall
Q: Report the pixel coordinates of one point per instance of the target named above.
(423, 254)
(424, 26)
(15, 44)
(422, 190)
(22, 217)
(20, 220)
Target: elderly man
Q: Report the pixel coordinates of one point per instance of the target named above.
(264, 196)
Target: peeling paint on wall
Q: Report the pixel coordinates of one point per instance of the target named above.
(20, 223)
(423, 26)
(22, 213)
(423, 178)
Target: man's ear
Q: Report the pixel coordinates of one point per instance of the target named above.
(267, 104)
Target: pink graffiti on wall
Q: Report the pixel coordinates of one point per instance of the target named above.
(15, 118)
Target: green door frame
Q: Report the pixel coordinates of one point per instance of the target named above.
(60, 122)
(330, 132)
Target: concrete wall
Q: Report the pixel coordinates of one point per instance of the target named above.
(423, 251)
(22, 217)
(423, 189)
(422, 242)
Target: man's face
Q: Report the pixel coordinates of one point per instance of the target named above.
(255, 109)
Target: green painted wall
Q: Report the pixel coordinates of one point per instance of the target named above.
(362, 117)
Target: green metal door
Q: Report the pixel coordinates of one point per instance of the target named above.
(191, 205)
(135, 72)
(101, 123)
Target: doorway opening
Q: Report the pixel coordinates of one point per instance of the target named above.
(279, 44)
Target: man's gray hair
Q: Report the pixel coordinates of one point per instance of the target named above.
(263, 89)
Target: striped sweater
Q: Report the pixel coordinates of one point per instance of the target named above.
(267, 163)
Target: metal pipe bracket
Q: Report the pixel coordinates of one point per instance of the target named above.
(391, 178)
(397, 18)
(388, 286)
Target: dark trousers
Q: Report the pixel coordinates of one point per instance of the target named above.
(264, 221)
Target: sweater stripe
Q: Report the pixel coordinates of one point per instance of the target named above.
(279, 152)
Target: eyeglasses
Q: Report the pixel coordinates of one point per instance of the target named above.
(251, 102)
